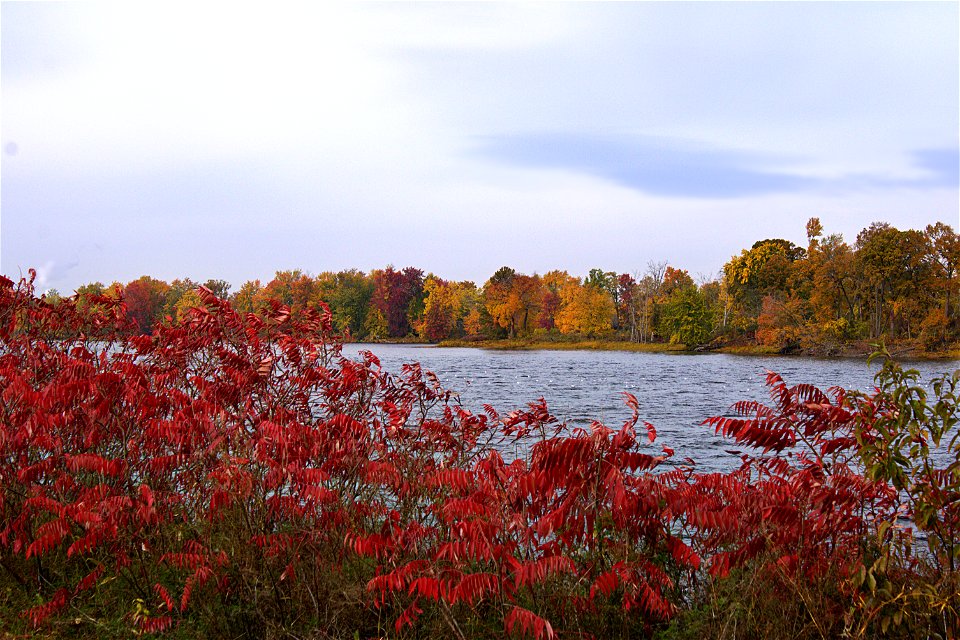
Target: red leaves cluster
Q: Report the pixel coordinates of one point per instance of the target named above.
(233, 457)
(810, 496)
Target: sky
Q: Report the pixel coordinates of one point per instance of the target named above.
(232, 140)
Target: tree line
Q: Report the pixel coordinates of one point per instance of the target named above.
(888, 284)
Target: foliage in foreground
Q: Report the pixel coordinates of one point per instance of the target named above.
(233, 475)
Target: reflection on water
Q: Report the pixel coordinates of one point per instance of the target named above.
(676, 392)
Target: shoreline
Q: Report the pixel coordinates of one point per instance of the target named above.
(850, 351)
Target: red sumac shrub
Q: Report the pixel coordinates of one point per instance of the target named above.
(235, 473)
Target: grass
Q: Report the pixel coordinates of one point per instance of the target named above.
(750, 350)
(532, 344)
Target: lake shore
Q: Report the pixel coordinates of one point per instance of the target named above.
(907, 350)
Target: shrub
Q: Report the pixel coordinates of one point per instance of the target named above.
(236, 476)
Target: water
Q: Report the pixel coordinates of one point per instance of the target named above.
(676, 391)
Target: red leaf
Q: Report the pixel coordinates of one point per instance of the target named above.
(526, 622)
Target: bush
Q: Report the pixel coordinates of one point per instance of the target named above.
(236, 476)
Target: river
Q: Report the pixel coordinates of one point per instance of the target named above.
(676, 391)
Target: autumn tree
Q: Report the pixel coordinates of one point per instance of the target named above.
(890, 283)
(782, 322)
(445, 306)
(293, 288)
(189, 300)
(758, 272)
(944, 245)
(415, 279)
(53, 297)
(675, 279)
(246, 298)
(584, 309)
(394, 292)
(496, 299)
(606, 281)
(374, 324)
(440, 309)
(553, 282)
(513, 300)
(895, 275)
(86, 293)
(830, 283)
(146, 299)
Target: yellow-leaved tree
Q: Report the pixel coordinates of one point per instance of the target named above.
(584, 309)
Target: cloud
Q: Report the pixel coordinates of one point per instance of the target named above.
(672, 167)
(942, 164)
(651, 164)
(928, 169)
(51, 272)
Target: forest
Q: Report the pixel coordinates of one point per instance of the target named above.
(899, 286)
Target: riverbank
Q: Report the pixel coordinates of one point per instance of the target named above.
(520, 344)
(906, 350)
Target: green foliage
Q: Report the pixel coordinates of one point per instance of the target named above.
(753, 603)
(907, 438)
(374, 325)
(220, 288)
(910, 440)
(686, 317)
(348, 294)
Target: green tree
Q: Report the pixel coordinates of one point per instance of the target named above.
(189, 300)
(53, 297)
(686, 317)
(348, 294)
(178, 288)
(220, 288)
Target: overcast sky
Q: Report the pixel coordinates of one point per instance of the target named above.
(232, 140)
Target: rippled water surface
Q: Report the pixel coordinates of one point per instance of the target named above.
(676, 392)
